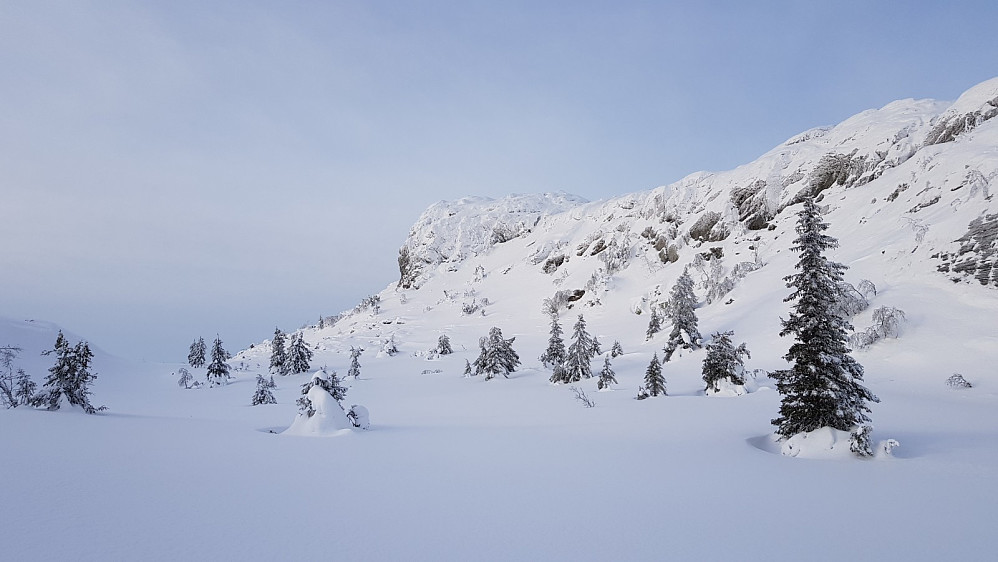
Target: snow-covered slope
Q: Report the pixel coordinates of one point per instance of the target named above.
(515, 469)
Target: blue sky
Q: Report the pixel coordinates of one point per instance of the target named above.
(176, 169)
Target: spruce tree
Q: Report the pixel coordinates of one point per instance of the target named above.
(299, 355)
(279, 363)
(218, 369)
(196, 357)
(823, 387)
(328, 382)
(555, 353)
(654, 324)
(654, 381)
(467, 369)
(7, 378)
(497, 356)
(723, 361)
(615, 350)
(581, 351)
(682, 305)
(354, 370)
(606, 376)
(70, 378)
(263, 394)
(25, 390)
(443, 345)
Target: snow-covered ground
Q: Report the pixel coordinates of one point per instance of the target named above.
(459, 468)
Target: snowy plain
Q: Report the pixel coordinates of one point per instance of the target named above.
(457, 468)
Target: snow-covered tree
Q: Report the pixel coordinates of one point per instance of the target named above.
(186, 378)
(615, 350)
(279, 363)
(196, 357)
(823, 387)
(354, 370)
(7, 379)
(606, 376)
(497, 356)
(263, 394)
(723, 361)
(580, 353)
(299, 355)
(443, 345)
(218, 369)
(25, 390)
(654, 324)
(329, 382)
(555, 353)
(682, 305)
(468, 372)
(70, 378)
(654, 381)
(389, 347)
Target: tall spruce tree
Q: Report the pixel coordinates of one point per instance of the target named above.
(497, 356)
(580, 353)
(196, 356)
(606, 376)
(299, 355)
(822, 388)
(555, 353)
(723, 362)
(279, 363)
(654, 381)
(682, 311)
(218, 369)
(70, 378)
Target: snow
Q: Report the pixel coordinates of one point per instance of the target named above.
(457, 468)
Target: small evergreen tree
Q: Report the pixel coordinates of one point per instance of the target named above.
(25, 390)
(682, 305)
(218, 369)
(654, 381)
(823, 387)
(443, 345)
(497, 356)
(555, 353)
(467, 369)
(263, 394)
(581, 351)
(185, 378)
(196, 357)
(328, 382)
(322, 323)
(654, 324)
(354, 370)
(299, 355)
(723, 361)
(616, 351)
(606, 376)
(70, 378)
(279, 363)
(7, 378)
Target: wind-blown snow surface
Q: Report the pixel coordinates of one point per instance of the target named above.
(459, 468)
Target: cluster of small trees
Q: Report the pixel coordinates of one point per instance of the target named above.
(218, 369)
(289, 358)
(575, 363)
(68, 381)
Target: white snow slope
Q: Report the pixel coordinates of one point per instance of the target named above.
(457, 468)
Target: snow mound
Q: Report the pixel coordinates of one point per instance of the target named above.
(828, 443)
(328, 417)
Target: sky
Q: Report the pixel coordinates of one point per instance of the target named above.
(173, 170)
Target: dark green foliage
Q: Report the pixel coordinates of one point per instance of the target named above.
(606, 376)
(196, 357)
(654, 324)
(497, 356)
(278, 354)
(555, 353)
(615, 350)
(682, 305)
(654, 381)
(329, 382)
(723, 361)
(25, 390)
(823, 387)
(581, 351)
(299, 355)
(70, 378)
(218, 369)
(263, 394)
